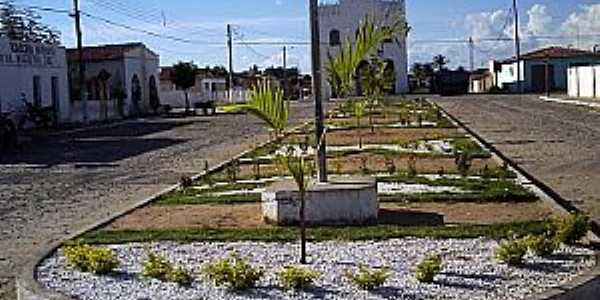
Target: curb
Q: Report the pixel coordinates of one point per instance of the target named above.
(585, 286)
(27, 285)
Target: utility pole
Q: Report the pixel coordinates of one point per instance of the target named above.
(547, 75)
(472, 54)
(230, 47)
(517, 47)
(316, 86)
(284, 71)
(82, 86)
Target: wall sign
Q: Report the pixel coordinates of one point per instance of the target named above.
(26, 54)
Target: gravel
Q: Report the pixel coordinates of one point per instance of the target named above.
(469, 271)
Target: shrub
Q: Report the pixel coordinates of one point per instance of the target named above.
(368, 279)
(571, 229)
(235, 272)
(296, 278)
(428, 268)
(91, 259)
(541, 245)
(512, 252)
(186, 182)
(180, 275)
(156, 266)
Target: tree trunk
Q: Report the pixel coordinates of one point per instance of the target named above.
(302, 228)
(187, 103)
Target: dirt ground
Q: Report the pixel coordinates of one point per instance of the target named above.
(381, 136)
(249, 215)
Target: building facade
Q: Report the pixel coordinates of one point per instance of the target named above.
(122, 80)
(339, 23)
(36, 73)
(553, 62)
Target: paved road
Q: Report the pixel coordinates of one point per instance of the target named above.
(60, 184)
(557, 143)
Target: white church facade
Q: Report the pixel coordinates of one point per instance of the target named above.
(339, 22)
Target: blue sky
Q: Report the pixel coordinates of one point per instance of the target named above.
(204, 21)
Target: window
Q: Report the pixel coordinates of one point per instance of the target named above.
(334, 38)
(37, 91)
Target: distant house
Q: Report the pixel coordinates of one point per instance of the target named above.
(340, 20)
(121, 81)
(210, 85)
(551, 61)
(481, 81)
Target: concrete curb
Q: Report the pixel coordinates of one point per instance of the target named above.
(28, 288)
(583, 287)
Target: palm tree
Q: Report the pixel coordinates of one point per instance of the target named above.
(300, 171)
(268, 105)
(376, 80)
(342, 67)
(439, 62)
(359, 112)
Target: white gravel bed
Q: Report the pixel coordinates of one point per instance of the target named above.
(394, 188)
(469, 271)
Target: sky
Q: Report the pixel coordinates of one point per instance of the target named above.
(203, 24)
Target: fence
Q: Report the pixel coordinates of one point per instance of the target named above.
(584, 82)
(177, 98)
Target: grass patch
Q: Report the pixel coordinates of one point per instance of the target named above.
(191, 196)
(467, 145)
(316, 234)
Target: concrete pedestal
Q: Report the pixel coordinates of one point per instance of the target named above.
(342, 201)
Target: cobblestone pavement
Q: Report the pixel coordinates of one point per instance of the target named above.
(60, 184)
(559, 144)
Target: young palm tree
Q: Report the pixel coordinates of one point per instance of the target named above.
(268, 105)
(376, 80)
(359, 113)
(300, 170)
(342, 67)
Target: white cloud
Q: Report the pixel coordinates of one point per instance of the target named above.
(539, 22)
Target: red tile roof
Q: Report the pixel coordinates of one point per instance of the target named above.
(555, 53)
(103, 52)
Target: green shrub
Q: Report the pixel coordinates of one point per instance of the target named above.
(296, 278)
(428, 268)
(512, 252)
(368, 279)
(571, 229)
(181, 276)
(91, 259)
(156, 266)
(234, 272)
(541, 245)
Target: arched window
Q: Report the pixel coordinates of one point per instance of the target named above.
(153, 92)
(334, 38)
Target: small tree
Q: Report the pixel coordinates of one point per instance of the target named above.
(359, 113)
(268, 105)
(184, 77)
(341, 68)
(376, 80)
(301, 171)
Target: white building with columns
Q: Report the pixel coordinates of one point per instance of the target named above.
(339, 21)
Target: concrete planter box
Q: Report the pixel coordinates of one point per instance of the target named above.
(342, 201)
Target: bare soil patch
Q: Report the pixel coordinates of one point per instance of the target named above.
(249, 215)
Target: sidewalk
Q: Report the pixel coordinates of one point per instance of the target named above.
(579, 102)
